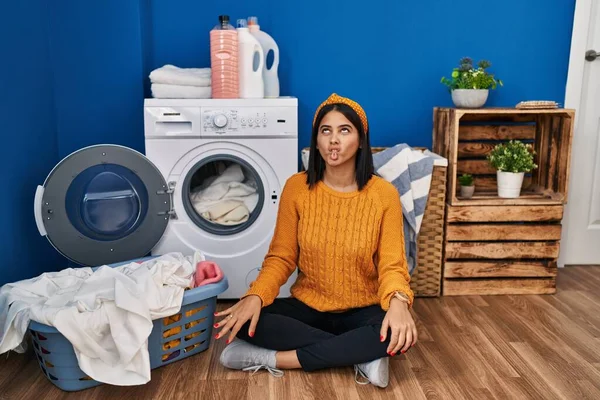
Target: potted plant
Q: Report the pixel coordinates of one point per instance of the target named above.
(511, 160)
(466, 185)
(469, 85)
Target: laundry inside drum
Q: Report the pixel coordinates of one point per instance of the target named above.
(224, 192)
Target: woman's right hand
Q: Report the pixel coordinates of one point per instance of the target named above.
(247, 309)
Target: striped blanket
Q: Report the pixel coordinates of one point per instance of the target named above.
(409, 170)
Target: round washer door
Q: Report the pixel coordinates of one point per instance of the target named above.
(103, 204)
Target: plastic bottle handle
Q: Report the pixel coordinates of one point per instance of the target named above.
(275, 58)
(261, 63)
(275, 51)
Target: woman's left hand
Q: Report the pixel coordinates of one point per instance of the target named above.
(400, 322)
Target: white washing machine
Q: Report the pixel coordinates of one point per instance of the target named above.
(108, 203)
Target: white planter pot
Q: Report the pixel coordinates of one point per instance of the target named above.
(469, 98)
(509, 184)
(467, 191)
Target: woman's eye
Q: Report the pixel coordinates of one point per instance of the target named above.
(345, 130)
(325, 131)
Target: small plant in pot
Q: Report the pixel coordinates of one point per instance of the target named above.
(466, 185)
(470, 86)
(511, 160)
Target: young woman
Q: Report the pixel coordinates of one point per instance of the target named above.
(341, 226)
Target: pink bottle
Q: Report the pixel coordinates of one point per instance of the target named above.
(224, 60)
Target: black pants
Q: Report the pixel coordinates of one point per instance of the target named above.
(322, 339)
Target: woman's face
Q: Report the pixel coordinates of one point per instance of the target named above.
(337, 139)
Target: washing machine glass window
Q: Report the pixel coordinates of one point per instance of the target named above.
(106, 202)
(223, 194)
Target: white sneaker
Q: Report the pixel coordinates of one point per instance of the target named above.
(376, 372)
(248, 357)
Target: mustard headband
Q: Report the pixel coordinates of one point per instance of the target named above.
(335, 99)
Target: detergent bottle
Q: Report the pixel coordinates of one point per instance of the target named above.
(271, 81)
(224, 50)
(251, 61)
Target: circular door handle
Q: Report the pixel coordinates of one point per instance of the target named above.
(591, 55)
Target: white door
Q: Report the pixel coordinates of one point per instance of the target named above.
(581, 234)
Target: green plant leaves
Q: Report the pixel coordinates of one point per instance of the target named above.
(465, 180)
(466, 76)
(512, 156)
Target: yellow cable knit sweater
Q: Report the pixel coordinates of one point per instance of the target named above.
(348, 247)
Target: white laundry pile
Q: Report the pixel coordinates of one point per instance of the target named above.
(105, 313)
(227, 198)
(171, 82)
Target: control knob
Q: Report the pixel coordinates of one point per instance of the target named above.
(220, 120)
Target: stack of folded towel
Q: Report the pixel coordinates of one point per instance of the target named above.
(171, 82)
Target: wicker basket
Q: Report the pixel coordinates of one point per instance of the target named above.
(427, 276)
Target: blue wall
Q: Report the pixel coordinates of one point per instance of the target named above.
(75, 74)
(29, 136)
(97, 66)
(387, 55)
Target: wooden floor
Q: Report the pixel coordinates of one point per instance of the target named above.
(504, 347)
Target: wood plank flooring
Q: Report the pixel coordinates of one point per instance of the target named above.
(471, 347)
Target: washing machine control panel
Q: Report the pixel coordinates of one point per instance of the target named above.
(247, 120)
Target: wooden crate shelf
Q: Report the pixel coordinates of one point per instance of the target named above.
(498, 232)
(504, 213)
(465, 137)
(495, 269)
(499, 286)
(506, 249)
(494, 245)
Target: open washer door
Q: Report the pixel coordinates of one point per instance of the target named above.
(103, 204)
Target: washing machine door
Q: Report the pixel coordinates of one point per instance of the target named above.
(103, 204)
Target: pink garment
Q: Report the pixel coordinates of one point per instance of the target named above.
(207, 272)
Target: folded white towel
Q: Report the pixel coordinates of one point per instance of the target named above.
(172, 75)
(162, 91)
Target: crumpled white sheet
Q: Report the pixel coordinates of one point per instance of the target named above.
(226, 199)
(106, 314)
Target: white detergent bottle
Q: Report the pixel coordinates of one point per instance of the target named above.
(251, 61)
(271, 81)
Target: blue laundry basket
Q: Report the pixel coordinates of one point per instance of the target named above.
(172, 339)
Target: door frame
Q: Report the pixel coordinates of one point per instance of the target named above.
(581, 28)
(574, 87)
